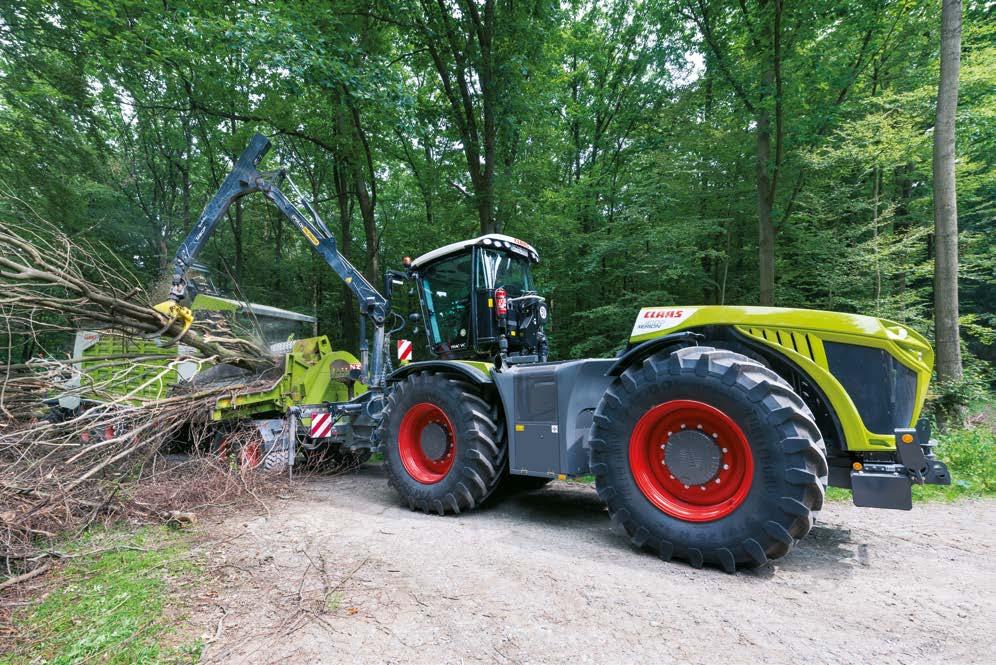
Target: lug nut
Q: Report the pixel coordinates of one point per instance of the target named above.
(672, 476)
(726, 467)
(702, 487)
(698, 426)
(686, 487)
(682, 425)
(725, 451)
(717, 481)
(715, 436)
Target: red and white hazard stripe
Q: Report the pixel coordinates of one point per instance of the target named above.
(404, 349)
(321, 426)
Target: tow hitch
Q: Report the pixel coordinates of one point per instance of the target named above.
(888, 484)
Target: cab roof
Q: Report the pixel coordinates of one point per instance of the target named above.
(496, 240)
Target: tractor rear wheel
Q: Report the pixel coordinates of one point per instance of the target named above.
(444, 446)
(708, 456)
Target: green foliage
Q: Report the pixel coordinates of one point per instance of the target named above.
(109, 607)
(625, 145)
(971, 456)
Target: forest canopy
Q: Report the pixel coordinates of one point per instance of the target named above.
(660, 152)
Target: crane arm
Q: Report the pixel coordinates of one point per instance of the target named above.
(246, 179)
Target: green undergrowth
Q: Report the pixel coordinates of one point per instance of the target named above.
(109, 603)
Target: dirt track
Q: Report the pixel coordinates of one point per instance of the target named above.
(340, 573)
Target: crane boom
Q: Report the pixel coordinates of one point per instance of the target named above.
(244, 179)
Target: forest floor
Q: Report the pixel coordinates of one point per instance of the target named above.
(339, 572)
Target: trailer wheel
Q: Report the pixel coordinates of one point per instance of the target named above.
(708, 456)
(245, 447)
(444, 447)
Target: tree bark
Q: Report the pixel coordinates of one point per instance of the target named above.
(766, 183)
(946, 331)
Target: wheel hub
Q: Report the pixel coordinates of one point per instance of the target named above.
(434, 441)
(693, 457)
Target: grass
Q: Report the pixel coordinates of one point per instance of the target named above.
(111, 607)
(971, 458)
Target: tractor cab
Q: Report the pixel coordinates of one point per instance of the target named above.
(478, 300)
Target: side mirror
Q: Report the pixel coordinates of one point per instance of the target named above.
(414, 318)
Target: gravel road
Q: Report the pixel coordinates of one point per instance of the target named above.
(339, 572)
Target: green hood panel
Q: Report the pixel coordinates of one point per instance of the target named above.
(799, 335)
(658, 321)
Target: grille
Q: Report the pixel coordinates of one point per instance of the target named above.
(882, 389)
(801, 343)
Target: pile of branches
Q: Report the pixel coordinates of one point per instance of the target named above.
(108, 455)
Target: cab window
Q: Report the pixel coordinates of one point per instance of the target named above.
(446, 293)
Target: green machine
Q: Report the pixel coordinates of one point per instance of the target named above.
(712, 435)
(153, 371)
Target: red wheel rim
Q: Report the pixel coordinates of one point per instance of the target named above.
(421, 466)
(704, 501)
(250, 453)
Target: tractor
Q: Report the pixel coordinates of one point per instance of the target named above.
(712, 436)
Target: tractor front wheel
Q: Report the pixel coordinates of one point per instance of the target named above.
(708, 456)
(444, 445)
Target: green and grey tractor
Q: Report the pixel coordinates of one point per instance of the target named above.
(712, 436)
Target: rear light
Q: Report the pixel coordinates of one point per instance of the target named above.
(501, 301)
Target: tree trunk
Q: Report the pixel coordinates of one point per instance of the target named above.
(767, 169)
(945, 201)
(350, 332)
(765, 227)
(188, 145)
(237, 238)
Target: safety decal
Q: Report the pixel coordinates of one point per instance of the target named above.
(404, 349)
(321, 426)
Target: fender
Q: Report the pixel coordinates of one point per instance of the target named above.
(646, 349)
(469, 370)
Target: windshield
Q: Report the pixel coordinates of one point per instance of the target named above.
(502, 269)
(275, 330)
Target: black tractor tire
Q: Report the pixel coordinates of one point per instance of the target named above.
(474, 445)
(786, 450)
